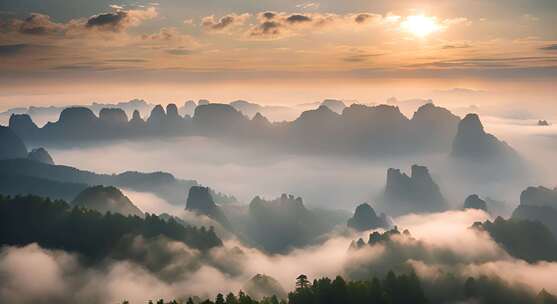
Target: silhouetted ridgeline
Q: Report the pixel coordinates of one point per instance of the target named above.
(37, 178)
(55, 225)
(106, 199)
(358, 129)
(392, 288)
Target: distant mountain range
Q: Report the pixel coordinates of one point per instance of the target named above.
(358, 129)
(24, 176)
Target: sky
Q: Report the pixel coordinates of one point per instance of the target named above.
(274, 51)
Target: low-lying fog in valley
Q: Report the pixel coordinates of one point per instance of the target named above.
(338, 182)
(277, 213)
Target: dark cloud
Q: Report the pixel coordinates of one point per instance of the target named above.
(270, 28)
(223, 23)
(12, 49)
(110, 21)
(552, 47)
(297, 18)
(124, 60)
(359, 57)
(269, 15)
(120, 20)
(361, 18)
(37, 24)
(488, 62)
(456, 46)
(179, 52)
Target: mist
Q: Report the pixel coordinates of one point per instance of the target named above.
(322, 181)
(160, 268)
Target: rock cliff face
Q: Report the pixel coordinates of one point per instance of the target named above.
(106, 199)
(75, 123)
(113, 117)
(435, 127)
(219, 119)
(41, 155)
(473, 143)
(172, 112)
(417, 193)
(538, 204)
(77, 117)
(157, 117)
(136, 123)
(365, 218)
(200, 201)
(11, 146)
(475, 202)
(23, 126)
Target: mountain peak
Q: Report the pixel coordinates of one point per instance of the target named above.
(365, 218)
(106, 199)
(41, 155)
(473, 143)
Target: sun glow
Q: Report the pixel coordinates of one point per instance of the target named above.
(420, 25)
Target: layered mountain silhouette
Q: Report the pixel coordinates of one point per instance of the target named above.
(365, 218)
(473, 143)
(50, 113)
(538, 204)
(356, 129)
(14, 185)
(162, 184)
(106, 199)
(417, 193)
(201, 201)
(11, 146)
(475, 202)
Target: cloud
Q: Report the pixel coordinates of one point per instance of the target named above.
(37, 24)
(120, 19)
(12, 49)
(276, 25)
(179, 52)
(551, 47)
(360, 57)
(297, 18)
(108, 20)
(495, 62)
(116, 7)
(365, 17)
(455, 46)
(308, 5)
(225, 23)
(141, 269)
(42, 25)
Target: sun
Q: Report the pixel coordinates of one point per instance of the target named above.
(420, 25)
